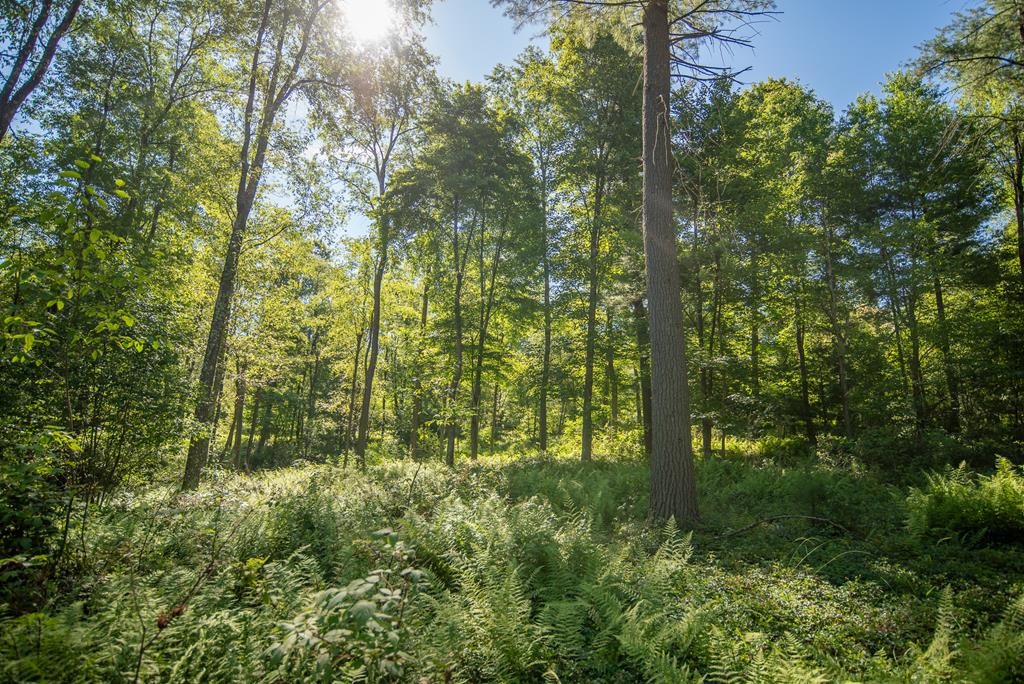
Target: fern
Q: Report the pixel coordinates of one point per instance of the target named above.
(999, 657)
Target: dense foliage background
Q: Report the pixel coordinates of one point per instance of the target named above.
(180, 303)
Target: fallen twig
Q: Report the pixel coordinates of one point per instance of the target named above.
(774, 518)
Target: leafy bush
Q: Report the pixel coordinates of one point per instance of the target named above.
(986, 509)
(353, 632)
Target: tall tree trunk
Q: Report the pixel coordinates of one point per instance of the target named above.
(592, 270)
(494, 414)
(916, 376)
(252, 161)
(239, 413)
(13, 95)
(310, 409)
(896, 314)
(1018, 198)
(460, 258)
(252, 428)
(453, 386)
(643, 345)
(265, 425)
(352, 395)
(805, 401)
(673, 487)
(755, 333)
(417, 397)
(373, 346)
(838, 335)
(952, 381)
(487, 289)
(545, 372)
(611, 377)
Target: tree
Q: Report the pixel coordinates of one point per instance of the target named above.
(34, 32)
(371, 132)
(277, 41)
(668, 41)
(982, 51)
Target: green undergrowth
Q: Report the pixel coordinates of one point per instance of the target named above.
(530, 570)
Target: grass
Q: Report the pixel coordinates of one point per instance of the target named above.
(529, 570)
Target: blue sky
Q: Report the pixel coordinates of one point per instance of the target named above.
(840, 48)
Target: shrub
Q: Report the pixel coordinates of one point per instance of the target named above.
(986, 509)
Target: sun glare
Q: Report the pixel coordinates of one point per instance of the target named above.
(368, 21)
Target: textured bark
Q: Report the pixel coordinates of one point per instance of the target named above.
(673, 490)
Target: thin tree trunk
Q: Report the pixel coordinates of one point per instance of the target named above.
(1018, 198)
(460, 257)
(896, 314)
(417, 397)
(643, 345)
(838, 336)
(373, 346)
(916, 376)
(588, 382)
(239, 414)
(494, 414)
(352, 396)
(453, 386)
(611, 378)
(252, 428)
(487, 289)
(805, 401)
(952, 381)
(265, 425)
(545, 373)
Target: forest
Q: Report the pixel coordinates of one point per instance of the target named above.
(616, 366)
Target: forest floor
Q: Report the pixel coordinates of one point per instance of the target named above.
(533, 570)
